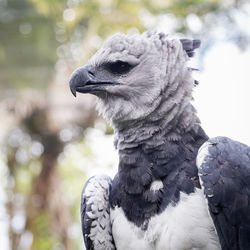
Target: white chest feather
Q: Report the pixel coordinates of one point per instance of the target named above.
(186, 226)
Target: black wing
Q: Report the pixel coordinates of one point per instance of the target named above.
(95, 214)
(224, 170)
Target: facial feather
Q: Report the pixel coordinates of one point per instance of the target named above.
(158, 75)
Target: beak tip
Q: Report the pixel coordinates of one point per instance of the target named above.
(73, 91)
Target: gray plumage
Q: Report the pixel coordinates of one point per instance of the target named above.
(166, 162)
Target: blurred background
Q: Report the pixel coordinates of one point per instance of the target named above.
(50, 142)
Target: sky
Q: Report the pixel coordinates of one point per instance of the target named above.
(222, 98)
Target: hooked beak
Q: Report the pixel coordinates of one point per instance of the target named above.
(83, 80)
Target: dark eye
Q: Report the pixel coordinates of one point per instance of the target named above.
(119, 67)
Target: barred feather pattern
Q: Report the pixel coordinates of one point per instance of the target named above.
(95, 214)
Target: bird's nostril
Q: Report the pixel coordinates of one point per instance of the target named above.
(91, 73)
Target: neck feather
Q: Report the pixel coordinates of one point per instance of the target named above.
(171, 127)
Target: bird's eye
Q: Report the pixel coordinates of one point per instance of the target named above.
(119, 67)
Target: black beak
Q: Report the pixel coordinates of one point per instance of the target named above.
(79, 78)
(83, 80)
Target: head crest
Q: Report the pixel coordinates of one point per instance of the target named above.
(190, 45)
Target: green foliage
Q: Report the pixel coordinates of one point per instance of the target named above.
(43, 238)
(27, 50)
(33, 30)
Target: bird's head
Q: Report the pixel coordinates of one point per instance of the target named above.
(132, 75)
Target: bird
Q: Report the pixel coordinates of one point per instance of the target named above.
(175, 188)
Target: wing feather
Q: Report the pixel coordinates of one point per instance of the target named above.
(224, 171)
(95, 214)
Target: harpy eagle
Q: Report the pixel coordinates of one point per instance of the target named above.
(176, 189)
